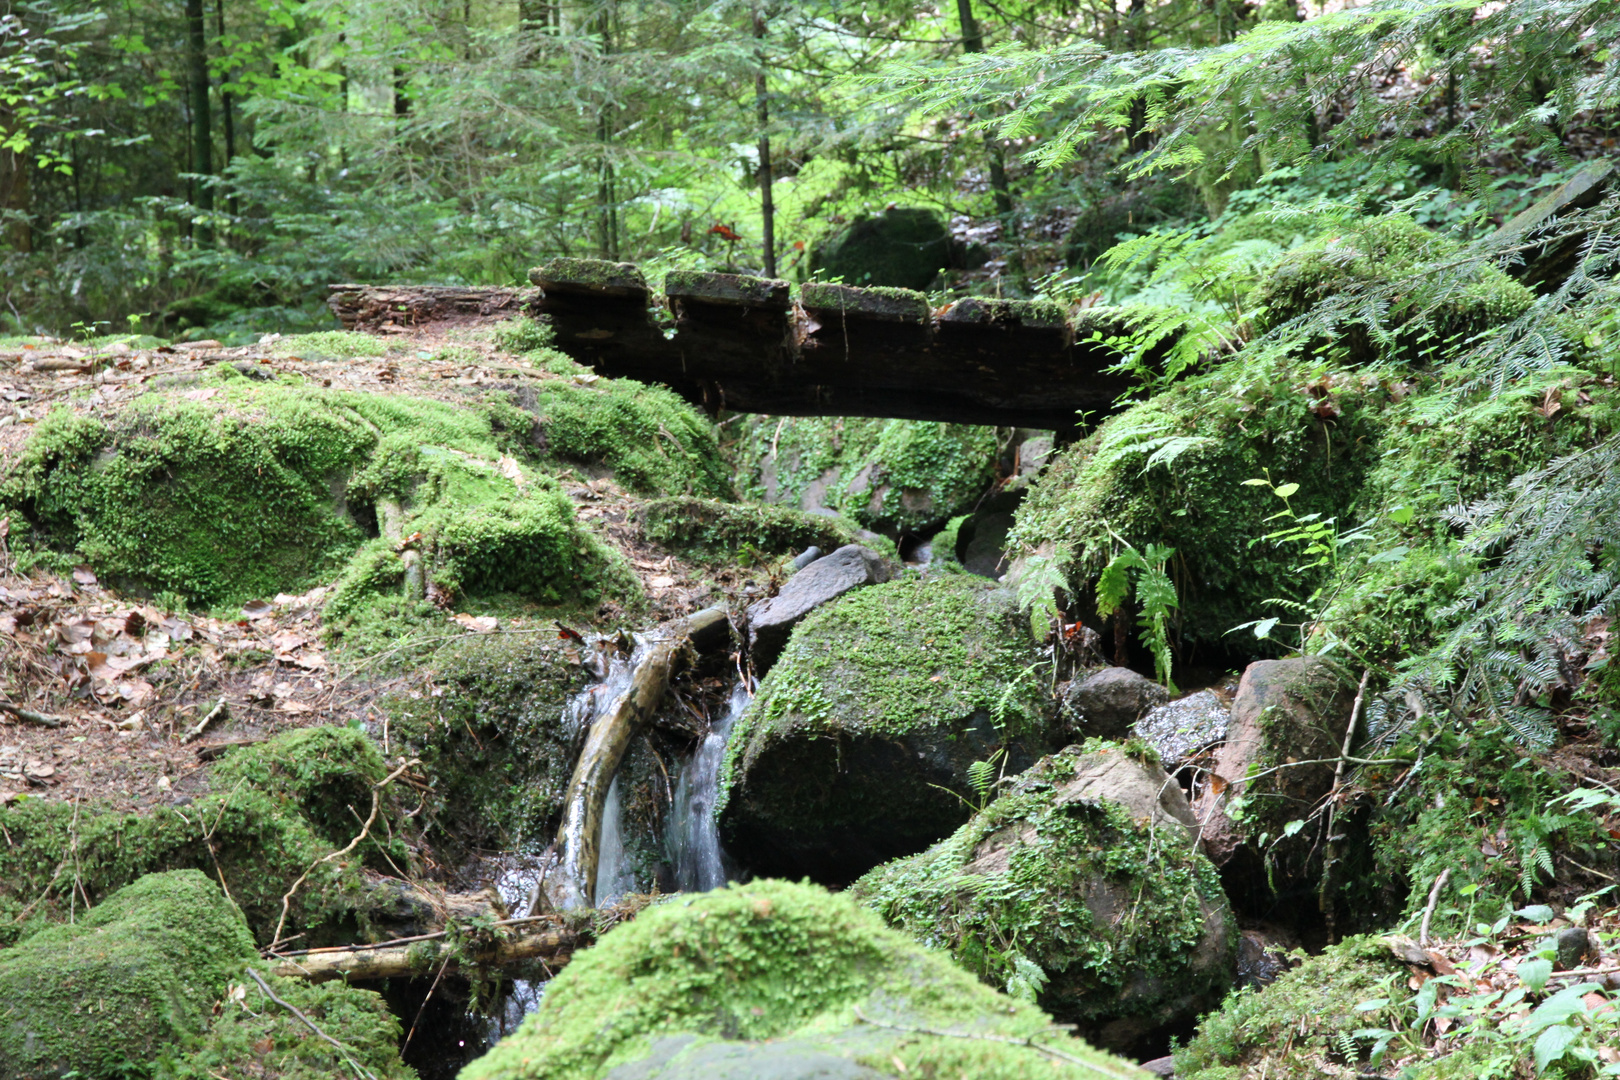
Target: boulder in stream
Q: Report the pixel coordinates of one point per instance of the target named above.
(824, 580)
(1082, 886)
(1104, 704)
(857, 747)
(772, 979)
(1181, 728)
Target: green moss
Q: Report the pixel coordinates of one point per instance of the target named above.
(1383, 250)
(889, 475)
(942, 545)
(523, 335)
(731, 531)
(1294, 1028)
(1113, 914)
(494, 737)
(257, 1037)
(903, 246)
(791, 964)
(325, 774)
(1209, 435)
(137, 972)
(332, 344)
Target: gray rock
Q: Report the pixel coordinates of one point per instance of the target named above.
(1183, 727)
(1575, 948)
(806, 557)
(1106, 703)
(985, 551)
(828, 578)
(1160, 1066)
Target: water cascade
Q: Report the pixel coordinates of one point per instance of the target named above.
(694, 839)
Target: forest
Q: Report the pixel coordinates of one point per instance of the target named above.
(645, 538)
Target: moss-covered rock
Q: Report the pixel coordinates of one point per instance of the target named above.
(255, 1037)
(902, 247)
(1172, 471)
(773, 979)
(880, 699)
(135, 973)
(1299, 1027)
(272, 817)
(709, 528)
(494, 735)
(892, 476)
(1378, 252)
(1083, 883)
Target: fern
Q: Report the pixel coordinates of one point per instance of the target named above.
(1155, 595)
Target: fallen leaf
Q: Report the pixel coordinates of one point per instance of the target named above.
(297, 708)
(203, 394)
(662, 581)
(84, 575)
(510, 469)
(257, 609)
(478, 624)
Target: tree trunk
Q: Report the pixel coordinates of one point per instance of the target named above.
(549, 943)
(767, 208)
(16, 196)
(202, 126)
(572, 880)
(973, 42)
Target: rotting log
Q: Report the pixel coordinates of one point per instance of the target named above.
(552, 944)
(571, 880)
(383, 307)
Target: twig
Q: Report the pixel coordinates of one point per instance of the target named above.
(1050, 1052)
(1428, 910)
(202, 724)
(423, 1007)
(28, 716)
(1330, 857)
(348, 1058)
(365, 831)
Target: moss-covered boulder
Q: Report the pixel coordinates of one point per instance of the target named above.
(255, 1037)
(772, 979)
(1389, 250)
(1172, 470)
(903, 247)
(137, 972)
(1300, 1027)
(495, 736)
(858, 746)
(892, 476)
(727, 531)
(1083, 884)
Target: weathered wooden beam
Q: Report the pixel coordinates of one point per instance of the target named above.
(379, 307)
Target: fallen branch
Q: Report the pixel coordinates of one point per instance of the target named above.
(1428, 910)
(360, 1070)
(202, 725)
(554, 945)
(1049, 1051)
(1330, 857)
(365, 831)
(28, 716)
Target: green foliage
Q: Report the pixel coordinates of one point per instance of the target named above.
(135, 973)
(523, 335)
(791, 964)
(730, 532)
(1109, 912)
(1155, 597)
(324, 774)
(332, 345)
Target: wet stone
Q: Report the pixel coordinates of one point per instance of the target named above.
(1183, 727)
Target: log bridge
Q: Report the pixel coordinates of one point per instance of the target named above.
(747, 344)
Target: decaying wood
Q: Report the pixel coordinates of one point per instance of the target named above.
(572, 881)
(551, 943)
(28, 716)
(202, 725)
(378, 307)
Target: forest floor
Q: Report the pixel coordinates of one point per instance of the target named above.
(130, 681)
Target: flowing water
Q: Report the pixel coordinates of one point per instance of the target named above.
(615, 875)
(694, 840)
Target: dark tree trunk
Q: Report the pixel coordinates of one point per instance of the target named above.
(202, 120)
(767, 208)
(16, 195)
(973, 42)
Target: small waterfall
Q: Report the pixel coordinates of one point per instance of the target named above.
(700, 864)
(615, 876)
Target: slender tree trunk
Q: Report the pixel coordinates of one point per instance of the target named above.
(607, 197)
(202, 125)
(227, 100)
(16, 195)
(1136, 135)
(973, 42)
(402, 100)
(767, 208)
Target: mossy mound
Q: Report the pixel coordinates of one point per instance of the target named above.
(728, 531)
(892, 476)
(1378, 252)
(879, 700)
(1300, 1026)
(1080, 884)
(903, 248)
(258, 839)
(782, 976)
(494, 737)
(240, 488)
(1171, 471)
(255, 1037)
(135, 973)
